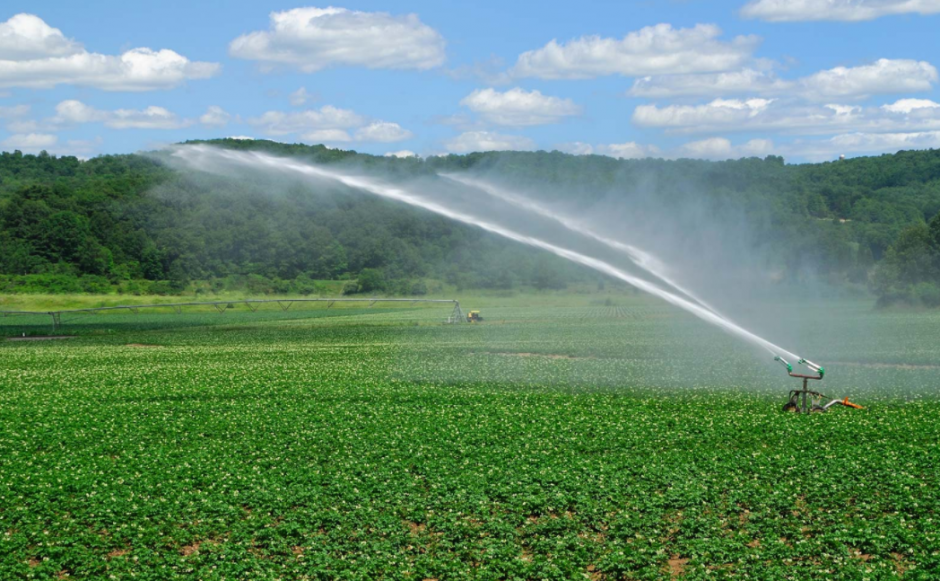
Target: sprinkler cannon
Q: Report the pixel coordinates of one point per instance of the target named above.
(798, 397)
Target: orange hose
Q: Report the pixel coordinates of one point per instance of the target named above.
(846, 402)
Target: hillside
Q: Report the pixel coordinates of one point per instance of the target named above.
(128, 220)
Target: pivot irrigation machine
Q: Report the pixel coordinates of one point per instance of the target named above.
(806, 400)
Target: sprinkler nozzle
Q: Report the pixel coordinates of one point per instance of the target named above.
(784, 361)
(810, 364)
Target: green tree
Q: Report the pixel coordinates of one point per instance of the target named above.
(371, 280)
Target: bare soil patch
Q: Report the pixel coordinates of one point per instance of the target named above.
(677, 566)
(188, 550)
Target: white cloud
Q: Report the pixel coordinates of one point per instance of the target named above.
(629, 150)
(517, 107)
(910, 105)
(487, 141)
(29, 142)
(149, 118)
(784, 116)
(576, 148)
(327, 136)
(659, 49)
(14, 111)
(329, 124)
(27, 37)
(36, 142)
(749, 81)
(383, 132)
(401, 154)
(19, 125)
(315, 38)
(717, 148)
(73, 112)
(861, 143)
(215, 116)
(327, 117)
(718, 112)
(35, 55)
(241, 137)
(80, 148)
(299, 97)
(884, 76)
(845, 10)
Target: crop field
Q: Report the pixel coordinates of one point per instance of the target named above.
(563, 438)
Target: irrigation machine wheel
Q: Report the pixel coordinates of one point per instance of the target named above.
(791, 407)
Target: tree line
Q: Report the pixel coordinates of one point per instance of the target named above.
(133, 223)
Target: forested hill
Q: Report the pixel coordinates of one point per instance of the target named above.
(128, 221)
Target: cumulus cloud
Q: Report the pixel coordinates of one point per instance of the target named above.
(747, 80)
(786, 117)
(327, 136)
(718, 148)
(628, 150)
(28, 37)
(36, 142)
(471, 141)
(401, 154)
(884, 76)
(35, 55)
(72, 112)
(576, 148)
(329, 124)
(326, 117)
(215, 116)
(311, 39)
(875, 142)
(861, 143)
(653, 50)
(517, 107)
(383, 132)
(29, 141)
(718, 112)
(844, 10)
(910, 105)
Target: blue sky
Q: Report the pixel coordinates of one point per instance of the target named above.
(806, 79)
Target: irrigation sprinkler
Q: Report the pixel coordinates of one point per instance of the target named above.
(806, 400)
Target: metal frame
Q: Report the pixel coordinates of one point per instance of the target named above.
(455, 317)
(797, 400)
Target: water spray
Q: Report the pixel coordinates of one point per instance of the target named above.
(639, 257)
(204, 158)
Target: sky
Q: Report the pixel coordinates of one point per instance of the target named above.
(809, 80)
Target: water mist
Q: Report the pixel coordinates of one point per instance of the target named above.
(215, 160)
